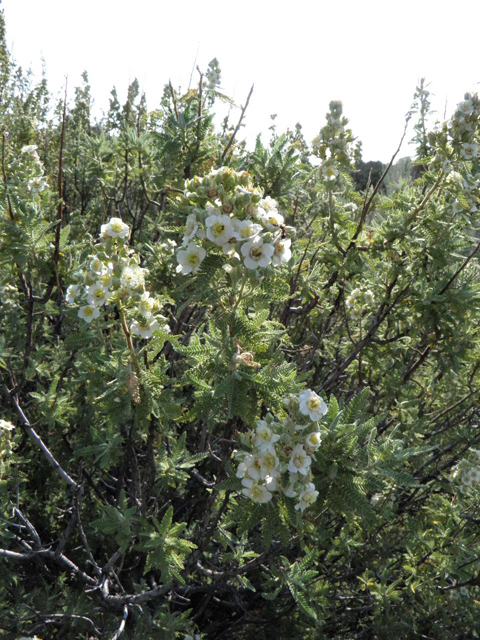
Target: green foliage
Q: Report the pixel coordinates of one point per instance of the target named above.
(134, 487)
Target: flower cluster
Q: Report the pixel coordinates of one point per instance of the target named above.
(467, 472)
(358, 301)
(114, 276)
(36, 181)
(6, 429)
(281, 456)
(334, 144)
(463, 127)
(465, 192)
(213, 75)
(228, 213)
(457, 140)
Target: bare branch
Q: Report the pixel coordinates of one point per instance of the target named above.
(10, 208)
(41, 445)
(232, 137)
(122, 624)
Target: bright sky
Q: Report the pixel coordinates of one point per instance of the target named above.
(300, 55)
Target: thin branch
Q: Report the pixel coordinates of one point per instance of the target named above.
(368, 203)
(460, 269)
(427, 197)
(78, 499)
(29, 526)
(10, 208)
(174, 99)
(51, 555)
(122, 624)
(232, 137)
(59, 618)
(41, 445)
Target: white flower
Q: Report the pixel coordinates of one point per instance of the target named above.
(260, 214)
(475, 475)
(268, 204)
(115, 228)
(249, 470)
(190, 259)
(271, 481)
(312, 405)
(268, 461)
(257, 254)
(88, 313)
(5, 424)
(97, 294)
(299, 460)
(307, 497)
(467, 479)
(356, 293)
(144, 329)
(447, 166)
(264, 436)
(219, 228)
(466, 107)
(133, 277)
(274, 220)
(313, 440)
(329, 172)
(368, 297)
(29, 149)
(457, 207)
(282, 252)
(36, 185)
(356, 312)
(97, 266)
(72, 293)
(146, 305)
(469, 151)
(105, 279)
(349, 302)
(258, 493)
(245, 229)
(191, 227)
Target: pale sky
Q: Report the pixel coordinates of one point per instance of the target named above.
(300, 55)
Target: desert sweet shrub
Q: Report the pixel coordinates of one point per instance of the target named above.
(238, 395)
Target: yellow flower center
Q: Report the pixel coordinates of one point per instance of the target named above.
(256, 493)
(298, 460)
(218, 228)
(269, 461)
